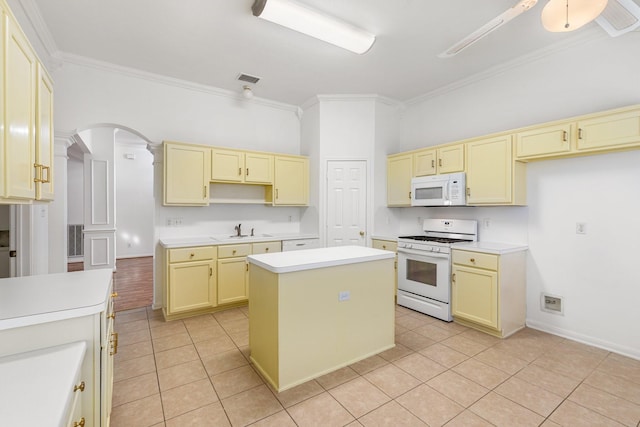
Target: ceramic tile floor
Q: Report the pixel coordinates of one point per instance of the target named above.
(196, 372)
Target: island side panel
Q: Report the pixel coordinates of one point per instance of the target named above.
(263, 322)
(319, 333)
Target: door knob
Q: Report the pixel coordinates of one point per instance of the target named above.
(362, 233)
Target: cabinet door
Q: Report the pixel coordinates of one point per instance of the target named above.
(609, 131)
(232, 280)
(227, 165)
(258, 168)
(544, 141)
(191, 286)
(291, 182)
(399, 174)
(424, 163)
(489, 171)
(475, 295)
(20, 107)
(44, 136)
(451, 159)
(186, 174)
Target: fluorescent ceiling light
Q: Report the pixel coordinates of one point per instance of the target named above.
(303, 19)
(569, 15)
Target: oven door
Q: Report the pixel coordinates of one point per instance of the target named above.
(425, 274)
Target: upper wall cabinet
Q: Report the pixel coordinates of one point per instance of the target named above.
(241, 167)
(26, 141)
(493, 178)
(186, 174)
(399, 174)
(445, 159)
(609, 131)
(291, 181)
(544, 141)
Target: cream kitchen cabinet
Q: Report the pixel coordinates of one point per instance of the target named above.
(58, 309)
(443, 159)
(488, 291)
(26, 144)
(191, 280)
(607, 131)
(399, 174)
(232, 273)
(544, 141)
(186, 174)
(389, 245)
(291, 181)
(493, 177)
(241, 167)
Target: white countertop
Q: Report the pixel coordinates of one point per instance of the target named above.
(37, 387)
(32, 300)
(490, 247)
(287, 262)
(214, 240)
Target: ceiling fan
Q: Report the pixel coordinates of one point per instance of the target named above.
(617, 17)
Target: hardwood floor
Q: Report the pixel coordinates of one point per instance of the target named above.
(132, 280)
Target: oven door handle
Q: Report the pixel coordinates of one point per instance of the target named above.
(422, 253)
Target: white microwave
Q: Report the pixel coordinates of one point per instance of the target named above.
(439, 190)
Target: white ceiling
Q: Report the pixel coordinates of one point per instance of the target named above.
(211, 41)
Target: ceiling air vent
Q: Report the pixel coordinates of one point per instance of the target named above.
(620, 16)
(248, 78)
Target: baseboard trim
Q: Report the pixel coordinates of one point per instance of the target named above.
(634, 353)
(133, 256)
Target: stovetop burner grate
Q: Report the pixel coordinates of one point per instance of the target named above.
(434, 239)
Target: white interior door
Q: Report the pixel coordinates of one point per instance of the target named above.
(346, 203)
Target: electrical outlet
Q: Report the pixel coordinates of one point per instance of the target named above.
(552, 304)
(581, 228)
(178, 221)
(486, 222)
(344, 296)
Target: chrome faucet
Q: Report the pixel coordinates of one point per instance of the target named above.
(238, 230)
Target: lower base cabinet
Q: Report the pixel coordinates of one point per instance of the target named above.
(388, 245)
(488, 291)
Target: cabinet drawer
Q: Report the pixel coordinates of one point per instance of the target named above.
(475, 259)
(192, 254)
(228, 251)
(267, 247)
(386, 245)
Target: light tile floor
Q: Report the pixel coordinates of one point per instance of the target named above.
(196, 372)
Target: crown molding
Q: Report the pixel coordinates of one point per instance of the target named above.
(169, 81)
(354, 97)
(32, 12)
(585, 37)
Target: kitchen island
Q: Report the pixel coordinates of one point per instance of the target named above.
(314, 311)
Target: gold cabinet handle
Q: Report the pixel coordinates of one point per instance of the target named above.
(38, 170)
(384, 246)
(472, 260)
(247, 171)
(45, 168)
(233, 252)
(453, 277)
(114, 295)
(79, 423)
(433, 163)
(204, 191)
(246, 267)
(266, 249)
(564, 136)
(114, 343)
(362, 234)
(439, 162)
(210, 271)
(276, 194)
(409, 194)
(112, 316)
(468, 191)
(79, 387)
(239, 171)
(579, 133)
(192, 255)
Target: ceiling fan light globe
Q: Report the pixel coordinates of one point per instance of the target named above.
(580, 12)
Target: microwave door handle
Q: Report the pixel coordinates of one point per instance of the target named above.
(445, 194)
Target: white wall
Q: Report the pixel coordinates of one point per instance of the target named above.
(134, 200)
(595, 272)
(75, 191)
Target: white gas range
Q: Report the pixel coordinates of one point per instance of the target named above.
(424, 265)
